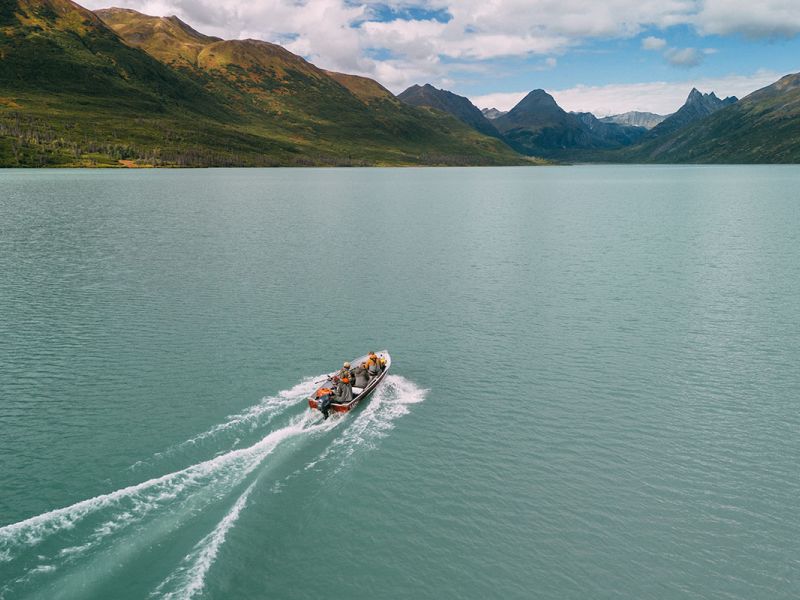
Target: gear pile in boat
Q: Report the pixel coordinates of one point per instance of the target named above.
(350, 384)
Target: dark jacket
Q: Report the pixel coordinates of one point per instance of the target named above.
(361, 377)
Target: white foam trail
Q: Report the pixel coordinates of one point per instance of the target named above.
(44, 569)
(230, 469)
(30, 531)
(195, 487)
(196, 564)
(390, 401)
(268, 408)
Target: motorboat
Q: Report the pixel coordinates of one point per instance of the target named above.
(359, 394)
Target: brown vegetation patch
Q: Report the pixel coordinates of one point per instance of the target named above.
(129, 164)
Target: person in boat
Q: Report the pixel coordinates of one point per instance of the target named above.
(360, 375)
(324, 399)
(344, 385)
(375, 365)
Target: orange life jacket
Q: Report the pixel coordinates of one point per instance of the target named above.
(376, 361)
(323, 392)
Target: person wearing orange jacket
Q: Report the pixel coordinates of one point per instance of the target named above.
(375, 365)
(324, 399)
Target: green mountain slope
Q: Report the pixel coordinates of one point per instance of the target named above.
(763, 127)
(74, 91)
(458, 106)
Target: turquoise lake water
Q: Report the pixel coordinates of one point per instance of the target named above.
(595, 391)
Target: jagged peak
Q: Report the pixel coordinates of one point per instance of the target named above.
(697, 98)
(694, 95)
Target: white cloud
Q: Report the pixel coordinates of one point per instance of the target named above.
(678, 57)
(760, 18)
(499, 100)
(344, 35)
(653, 43)
(683, 57)
(659, 96)
(340, 32)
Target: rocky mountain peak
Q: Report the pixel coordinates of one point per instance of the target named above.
(493, 113)
(708, 101)
(458, 106)
(538, 98)
(696, 107)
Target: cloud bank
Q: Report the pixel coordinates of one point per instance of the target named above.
(404, 41)
(658, 97)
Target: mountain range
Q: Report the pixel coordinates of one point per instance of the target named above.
(536, 126)
(763, 127)
(84, 89)
(696, 107)
(116, 87)
(636, 118)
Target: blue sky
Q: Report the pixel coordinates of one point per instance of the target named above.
(602, 55)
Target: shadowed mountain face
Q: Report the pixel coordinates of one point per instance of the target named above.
(538, 126)
(78, 90)
(609, 133)
(696, 107)
(763, 127)
(458, 106)
(537, 109)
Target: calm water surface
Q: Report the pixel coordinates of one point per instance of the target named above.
(595, 390)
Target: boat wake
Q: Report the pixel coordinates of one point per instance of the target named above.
(392, 400)
(189, 578)
(251, 419)
(63, 552)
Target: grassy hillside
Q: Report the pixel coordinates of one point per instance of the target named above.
(763, 127)
(74, 92)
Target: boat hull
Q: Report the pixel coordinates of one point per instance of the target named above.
(363, 395)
